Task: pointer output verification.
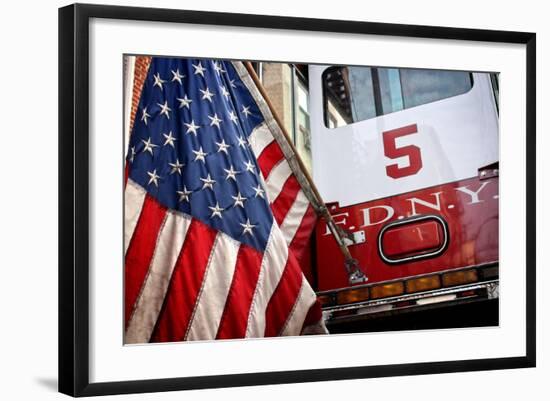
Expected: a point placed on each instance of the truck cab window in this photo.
(353, 94)
(426, 86)
(390, 89)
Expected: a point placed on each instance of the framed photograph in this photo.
(278, 199)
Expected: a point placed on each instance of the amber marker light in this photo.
(423, 284)
(353, 295)
(326, 299)
(459, 277)
(387, 290)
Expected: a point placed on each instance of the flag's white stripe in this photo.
(216, 284)
(260, 138)
(294, 217)
(261, 103)
(134, 196)
(276, 180)
(149, 303)
(280, 137)
(304, 301)
(273, 265)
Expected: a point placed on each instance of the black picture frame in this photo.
(74, 194)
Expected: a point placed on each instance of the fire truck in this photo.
(407, 163)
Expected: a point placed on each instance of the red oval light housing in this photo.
(415, 238)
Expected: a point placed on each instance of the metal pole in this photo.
(355, 274)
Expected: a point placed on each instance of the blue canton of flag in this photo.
(189, 147)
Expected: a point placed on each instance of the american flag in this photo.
(215, 218)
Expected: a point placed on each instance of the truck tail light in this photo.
(353, 295)
(459, 277)
(387, 290)
(326, 299)
(413, 285)
(423, 284)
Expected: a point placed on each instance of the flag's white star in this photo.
(206, 94)
(185, 102)
(231, 173)
(199, 155)
(208, 182)
(148, 146)
(144, 115)
(242, 141)
(132, 154)
(225, 92)
(233, 117)
(176, 167)
(199, 69)
(153, 178)
(184, 195)
(169, 139)
(258, 191)
(239, 200)
(246, 111)
(176, 76)
(222, 146)
(232, 83)
(247, 227)
(219, 69)
(216, 211)
(191, 128)
(249, 166)
(158, 80)
(215, 120)
(164, 109)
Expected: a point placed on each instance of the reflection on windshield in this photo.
(359, 93)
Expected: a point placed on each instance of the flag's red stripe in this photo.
(284, 297)
(141, 250)
(126, 173)
(185, 283)
(237, 306)
(285, 200)
(314, 315)
(270, 157)
(301, 239)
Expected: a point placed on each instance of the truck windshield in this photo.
(355, 94)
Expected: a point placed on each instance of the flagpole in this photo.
(355, 274)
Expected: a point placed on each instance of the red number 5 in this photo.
(393, 152)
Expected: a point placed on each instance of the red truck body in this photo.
(407, 161)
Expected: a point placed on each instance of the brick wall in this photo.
(140, 73)
(276, 80)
